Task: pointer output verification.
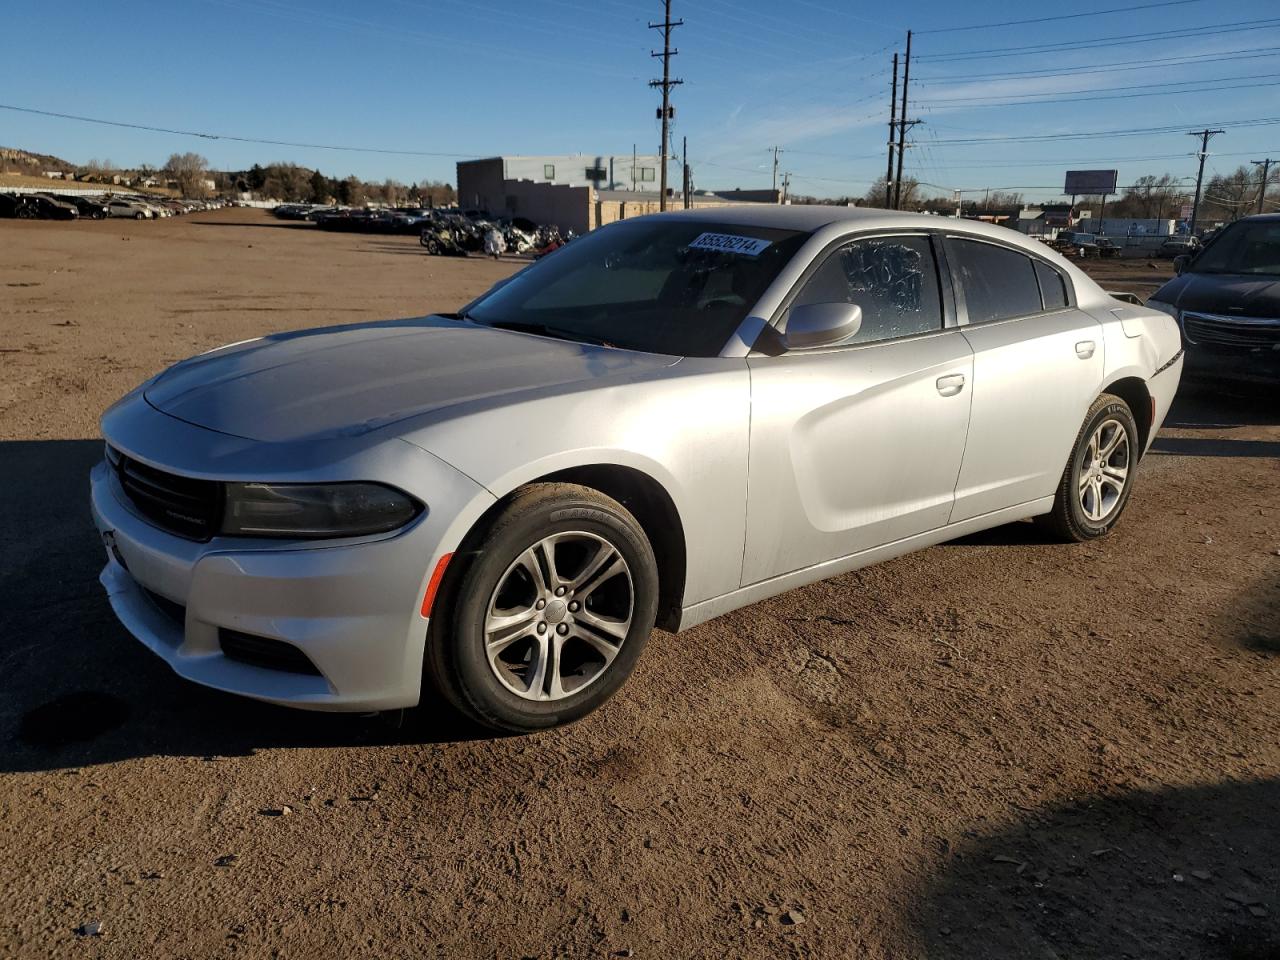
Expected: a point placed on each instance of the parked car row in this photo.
(72, 206)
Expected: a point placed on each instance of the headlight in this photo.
(315, 510)
(1163, 307)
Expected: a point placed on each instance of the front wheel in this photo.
(139, 215)
(548, 615)
(1098, 478)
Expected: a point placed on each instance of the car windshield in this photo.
(661, 285)
(1252, 248)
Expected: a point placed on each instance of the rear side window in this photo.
(1053, 288)
(998, 283)
(893, 279)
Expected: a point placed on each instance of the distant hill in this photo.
(11, 158)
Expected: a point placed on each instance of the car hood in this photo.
(1225, 293)
(349, 380)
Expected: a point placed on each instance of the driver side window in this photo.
(893, 279)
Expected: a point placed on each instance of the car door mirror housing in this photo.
(821, 324)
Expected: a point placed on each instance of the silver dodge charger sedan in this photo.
(667, 419)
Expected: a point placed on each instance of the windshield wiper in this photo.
(543, 330)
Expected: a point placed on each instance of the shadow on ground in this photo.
(1219, 401)
(76, 689)
(281, 225)
(1191, 872)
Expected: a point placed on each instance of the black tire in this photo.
(1069, 520)
(456, 663)
(139, 215)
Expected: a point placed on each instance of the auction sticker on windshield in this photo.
(729, 243)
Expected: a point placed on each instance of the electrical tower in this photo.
(1204, 136)
(903, 125)
(666, 83)
(893, 123)
(1265, 164)
(776, 151)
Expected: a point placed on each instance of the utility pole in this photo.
(1262, 189)
(902, 127)
(666, 83)
(786, 185)
(1204, 136)
(893, 120)
(776, 151)
(684, 162)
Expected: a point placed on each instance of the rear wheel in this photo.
(139, 215)
(548, 616)
(1098, 479)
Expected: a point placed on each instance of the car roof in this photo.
(807, 216)
(815, 217)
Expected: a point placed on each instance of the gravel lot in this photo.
(996, 748)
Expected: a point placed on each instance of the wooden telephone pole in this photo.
(666, 83)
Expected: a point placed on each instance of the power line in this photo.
(1157, 63)
(234, 138)
(1072, 45)
(1133, 132)
(1144, 90)
(1070, 161)
(1061, 16)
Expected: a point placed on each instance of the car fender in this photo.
(689, 434)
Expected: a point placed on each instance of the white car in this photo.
(669, 418)
(116, 207)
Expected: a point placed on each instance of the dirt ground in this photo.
(998, 748)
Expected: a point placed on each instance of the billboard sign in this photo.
(1090, 182)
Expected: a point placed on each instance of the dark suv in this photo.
(1226, 299)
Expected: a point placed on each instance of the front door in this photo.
(860, 444)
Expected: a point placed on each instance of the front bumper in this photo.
(352, 608)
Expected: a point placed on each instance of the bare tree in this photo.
(190, 170)
(1230, 196)
(878, 195)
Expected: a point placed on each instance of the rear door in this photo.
(1038, 365)
(859, 444)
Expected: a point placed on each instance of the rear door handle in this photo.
(951, 384)
(1085, 348)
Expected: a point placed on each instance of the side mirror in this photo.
(821, 324)
(1180, 263)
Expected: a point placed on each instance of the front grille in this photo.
(1216, 330)
(264, 652)
(188, 507)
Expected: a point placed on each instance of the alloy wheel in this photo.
(559, 615)
(1104, 472)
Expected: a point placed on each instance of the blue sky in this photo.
(455, 77)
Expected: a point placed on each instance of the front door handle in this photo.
(1085, 348)
(951, 384)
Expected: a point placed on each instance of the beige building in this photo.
(560, 197)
